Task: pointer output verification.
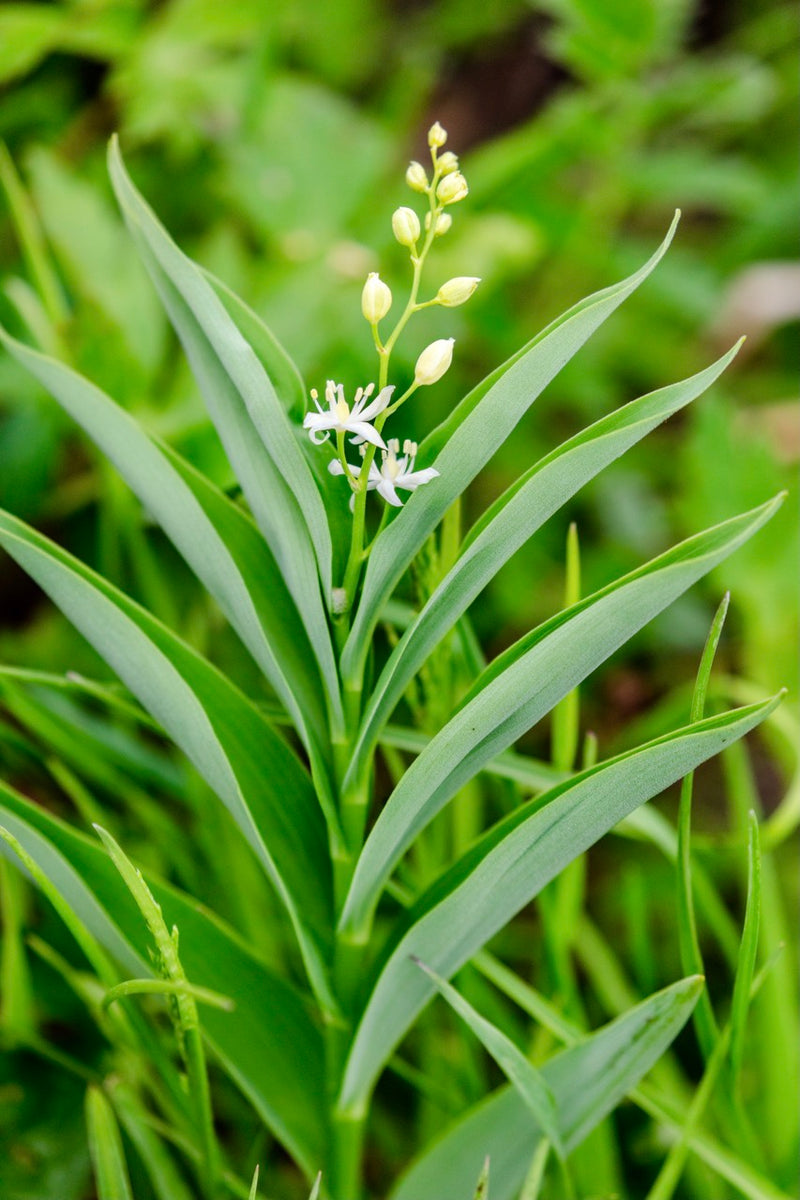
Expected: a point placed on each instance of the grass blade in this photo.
(747, 951)
(270, 1047)
(691, 957)
(105, 1149)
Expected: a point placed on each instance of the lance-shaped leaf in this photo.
(508, 524)
(234, 748)
(527, 1081)
(507, 868)
(216, 537)
(522, 685)
(250, 419)
(587, 1081)
(468, 438)
(269, 1045)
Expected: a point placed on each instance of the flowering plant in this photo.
(383, 903)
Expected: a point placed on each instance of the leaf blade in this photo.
(510, 522)
(242, 402)
(235, 749)
(503, 872)
(501, 1126)
(522, 685)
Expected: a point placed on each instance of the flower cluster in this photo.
(363, 420)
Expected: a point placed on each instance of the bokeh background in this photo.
(272, 139)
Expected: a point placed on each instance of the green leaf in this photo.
(691, 958)
(250, 768)
(587, 1081)
(249, 417)
(105, 1148)
(217, 539)
(510, 521)
(524, 1077)
(508, 867)
(276, 362)
(468, 438)
(269, 1046)
(522, 685)
(748, 950)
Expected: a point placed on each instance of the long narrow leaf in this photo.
(249, 418)
(105, 1148)
(522, 1074)
(513, 519)
(522, 685)
(217, 539)
(468, 438)
(269, 1045)
(236, 750)
(587, 1081)
(508, 867)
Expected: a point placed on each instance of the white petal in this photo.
(416, 478)
(386, 489)
(380, 402)
(335, 467)
(365, 433)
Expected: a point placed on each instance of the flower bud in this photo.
(447, 162)
(452, 188)
(376, 298)
(443, 223)
(434, 361)
(436, 136)
(405, 224)
(416, 177)
(457, 291)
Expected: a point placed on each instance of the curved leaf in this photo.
(217, 539)
(269, 1045)
(522, 685)
(249, 417)
(105, 1149)
(468, 438)
(234, 748)
(587, 1082)
(508, 524)
(508, 867)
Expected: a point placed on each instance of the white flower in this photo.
(393, 472)
(399, 472)
(341, 418)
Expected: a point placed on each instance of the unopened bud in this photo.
(376, 298)
(416, 177)
(447, 162)
(457, 291)
(452, 188)
(434, 361)
(443, 223)
(436, 136)
(405, 224)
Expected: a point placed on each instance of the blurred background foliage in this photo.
(271, 138)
